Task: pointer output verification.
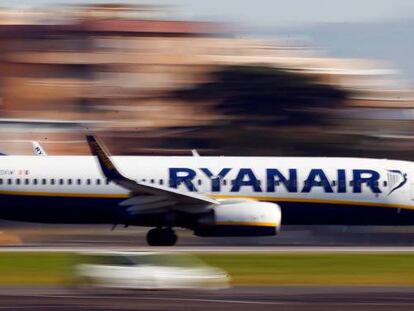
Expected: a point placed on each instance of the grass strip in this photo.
(23, 268)
(316, 269)
(253, 269)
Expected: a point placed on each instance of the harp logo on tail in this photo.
(396, 179)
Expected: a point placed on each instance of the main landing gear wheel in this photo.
(161, 237)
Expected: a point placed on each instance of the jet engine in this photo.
(240, 217)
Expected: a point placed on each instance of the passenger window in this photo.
(69, 181)
(88, 181)
(161, 181)
(79, 182)
(385, 183)
(107, 181)
(35, 181)
(199, 182)
(52, 181)
(9, 181)
(1, 181)
(224, 182)
(333, 183)
(60, 181)
(26, 181)
(43, 181)
(152, 181)
(18, 181)
(98, 181)
(143, 180)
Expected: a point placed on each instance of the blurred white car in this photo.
(147, 270)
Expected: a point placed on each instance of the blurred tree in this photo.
(267, 96)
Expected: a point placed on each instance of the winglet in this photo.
(136, 188)
(107, 167)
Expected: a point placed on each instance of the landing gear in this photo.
(161, 237)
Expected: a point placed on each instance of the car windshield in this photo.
(110, 259)
(165, 260)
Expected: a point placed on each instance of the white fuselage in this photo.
(293, 182)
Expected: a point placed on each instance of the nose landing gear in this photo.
(161, 237)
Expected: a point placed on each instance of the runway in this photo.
(243, 298)
(265, 298)
(292, 298)
(213, 249)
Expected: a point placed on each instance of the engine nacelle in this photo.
(241, 217)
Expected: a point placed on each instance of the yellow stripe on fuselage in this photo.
(320, 201)
(257, 198)
(247, 223)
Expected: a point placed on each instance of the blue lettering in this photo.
(184, 176)
(275, 177)
(371, 180)
(251, 180)
(341, 181)
(311, 181)
(216, 179)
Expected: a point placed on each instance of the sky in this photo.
(270, 12)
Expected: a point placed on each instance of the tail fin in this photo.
(37, 149)
(107, 167)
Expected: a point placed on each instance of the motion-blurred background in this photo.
(317, 78)
(166, 78)
(224, 77)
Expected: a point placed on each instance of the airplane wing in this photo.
(37, 149)
(145, 196)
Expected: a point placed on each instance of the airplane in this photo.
(212, 196)
(38, 149)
